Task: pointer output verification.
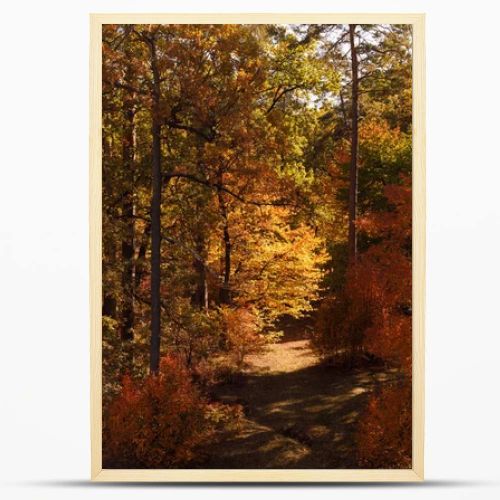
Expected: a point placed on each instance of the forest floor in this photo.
(299, 413)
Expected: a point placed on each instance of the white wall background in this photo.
(44, 365)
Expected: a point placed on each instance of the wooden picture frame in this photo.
(416, 473)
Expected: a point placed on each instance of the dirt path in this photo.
(298, 414)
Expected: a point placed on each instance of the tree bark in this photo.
(353, 168)
(128, 235)
(156, 187)
(109, 302)
(109, 306)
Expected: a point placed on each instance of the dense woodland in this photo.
(254, 177)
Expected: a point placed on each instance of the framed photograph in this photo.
(257, 247)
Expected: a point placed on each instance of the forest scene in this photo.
(257, 246)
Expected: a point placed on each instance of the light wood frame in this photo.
(416, 473)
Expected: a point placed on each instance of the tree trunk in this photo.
(156, 181)
(128, 235)
(109, 302)
(353, 169)
(109, 306)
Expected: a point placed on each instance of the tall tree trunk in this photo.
(128, 235)
(225, 291)
(109, 302)
(154, 362)
(109, 305)
(353, 169)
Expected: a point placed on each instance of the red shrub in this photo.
(156, 423)
(242, 328)
(384, 435)
(373, 311)
(382, 278)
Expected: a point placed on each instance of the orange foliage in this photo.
(340, 325)
(242, 328)
(373, 312)
(384, 432)
(382, 279)
(156, 424)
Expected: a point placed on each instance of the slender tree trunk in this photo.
(128, 235)
(156, 181)
(109, 303)
(353, 169)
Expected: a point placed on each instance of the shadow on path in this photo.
(305, 418)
